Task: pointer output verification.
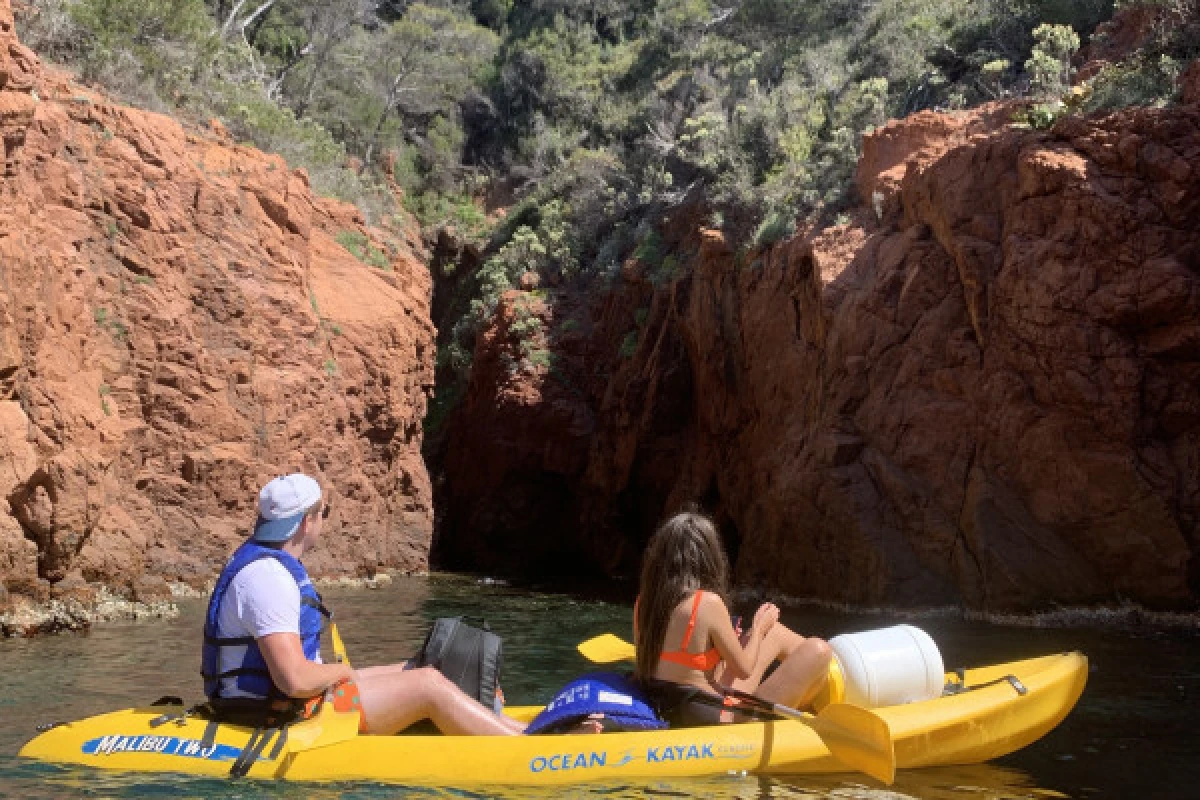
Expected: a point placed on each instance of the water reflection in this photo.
(1131, 736)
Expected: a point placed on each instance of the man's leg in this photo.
(394, 698)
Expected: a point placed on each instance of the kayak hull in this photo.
(967, 728)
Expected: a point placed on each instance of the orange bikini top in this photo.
(704, 662)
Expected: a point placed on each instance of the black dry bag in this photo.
(470, 657)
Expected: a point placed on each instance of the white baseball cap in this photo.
(282, 504)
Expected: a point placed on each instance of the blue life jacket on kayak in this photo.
(251, 674)
(614, 696)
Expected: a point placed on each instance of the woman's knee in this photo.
(821, 651)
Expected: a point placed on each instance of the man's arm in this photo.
(292, 673)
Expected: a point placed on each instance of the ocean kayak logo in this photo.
(159, 745)
(561, 762)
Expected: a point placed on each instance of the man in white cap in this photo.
(262, 636)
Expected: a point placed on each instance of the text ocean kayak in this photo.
(964, 728)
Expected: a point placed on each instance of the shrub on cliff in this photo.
(129, 42)
(1149, 76)
(1049, 65)
(170, 56)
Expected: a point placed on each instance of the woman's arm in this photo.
(739, 659)
(292, 673)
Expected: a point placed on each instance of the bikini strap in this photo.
(687, 636)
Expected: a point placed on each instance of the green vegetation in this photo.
(1049, 69)
(105, 391)
(434, 209)
(757, 107)
(774, 227)
(359, 246)
(592, 122)
(111, 324)
(541, 358)
(1149, 76)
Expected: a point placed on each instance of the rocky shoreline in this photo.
(28, 617)
(24, 616)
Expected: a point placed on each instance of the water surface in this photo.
(1133, 735)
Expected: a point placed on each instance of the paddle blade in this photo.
(858, 738)
(607, 648)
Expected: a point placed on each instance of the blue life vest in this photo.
(251, 675)
(615, 696)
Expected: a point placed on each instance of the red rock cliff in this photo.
(177, 325)
(989, 397)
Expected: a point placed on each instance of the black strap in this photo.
(257, 743)
(210, 734)
(250, 753)
(229, 641)
(280, 741)
(179, 717)
(305, 600)
(257, 712)
(231, 673)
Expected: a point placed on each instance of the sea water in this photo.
(1134, 734)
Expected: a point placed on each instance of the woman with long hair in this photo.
(685, 636)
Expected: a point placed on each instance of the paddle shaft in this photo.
(758, 702)
(339, 647)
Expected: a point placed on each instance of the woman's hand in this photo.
(765, 618)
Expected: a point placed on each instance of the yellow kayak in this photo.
(989, 719)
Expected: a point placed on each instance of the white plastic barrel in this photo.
(888, 666)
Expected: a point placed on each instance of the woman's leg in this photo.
(801, 673)
(394, 698)
(778, 643)
(800, 676)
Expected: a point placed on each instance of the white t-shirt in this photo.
(262, 599)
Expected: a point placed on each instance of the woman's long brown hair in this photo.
(685, 554)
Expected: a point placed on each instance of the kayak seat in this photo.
(684, 706)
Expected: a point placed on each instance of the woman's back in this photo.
(688, 653)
